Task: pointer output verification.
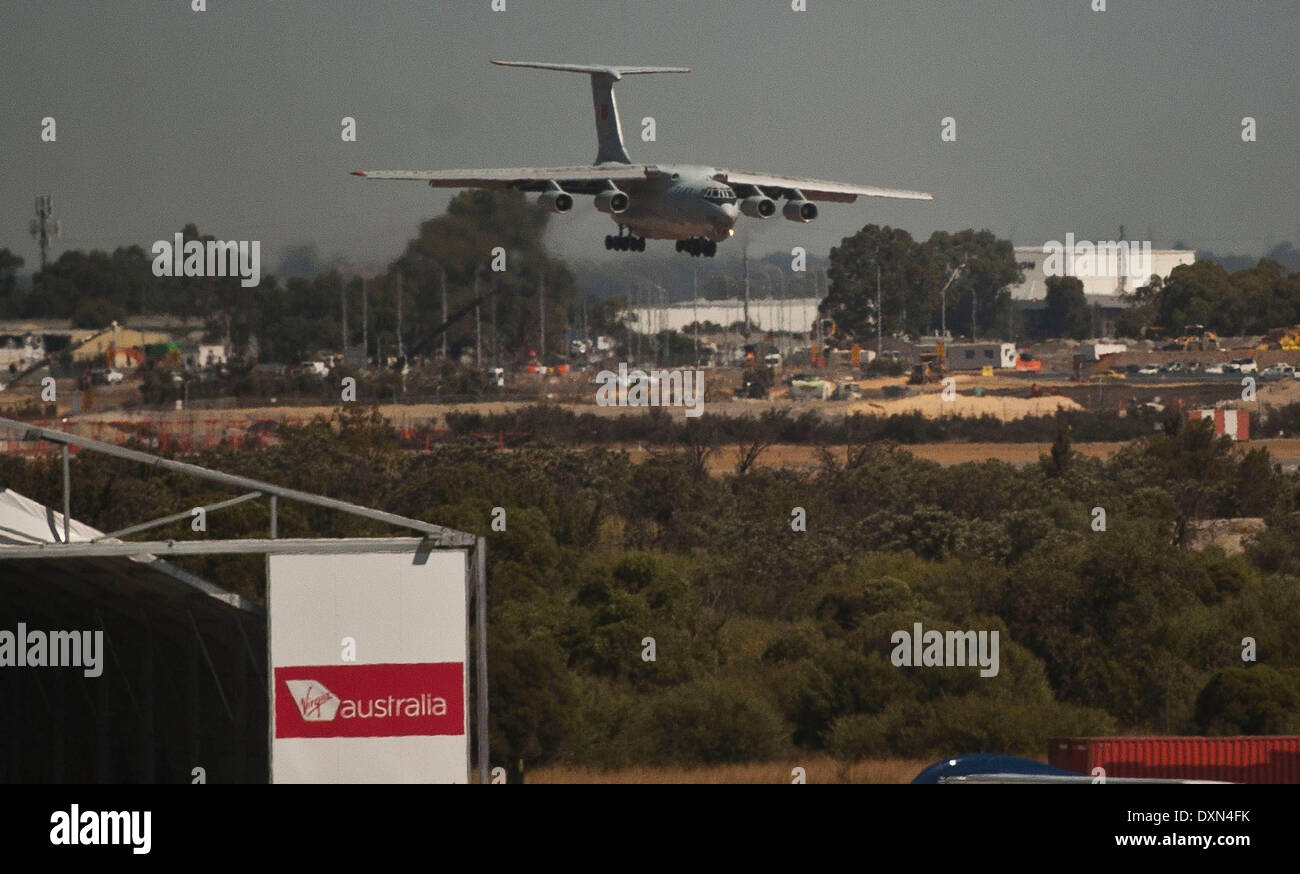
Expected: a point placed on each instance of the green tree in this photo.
(9, 264)
(980, 291)
(1067, 309)
(459, 245)
(906, 272)
(1254, 700)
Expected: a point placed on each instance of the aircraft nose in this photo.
(724, 215)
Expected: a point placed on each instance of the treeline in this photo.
(966, 276)
(771, 641)
(548, 425)
(1231, 303)
(287, 321)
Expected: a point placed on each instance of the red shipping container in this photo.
(1244, 759)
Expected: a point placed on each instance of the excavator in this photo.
(1195, 339)
(933, 366)
(1287, 339)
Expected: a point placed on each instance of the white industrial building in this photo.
(1105, 269)
(794, 315)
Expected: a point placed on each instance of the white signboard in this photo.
(368, 654)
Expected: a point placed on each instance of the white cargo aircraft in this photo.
(696, 206)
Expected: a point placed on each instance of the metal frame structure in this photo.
(431, 537)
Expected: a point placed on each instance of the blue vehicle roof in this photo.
(986, 763)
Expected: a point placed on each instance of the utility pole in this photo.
(746, 258)
(365, 323)
(442, 284)
(400, 349)
(880, 317)
(541, 313)
(943, 311)
(726, 328)
(668, 331)
(44, 229)
(478, 329)
(1124, 265)
(695, 307)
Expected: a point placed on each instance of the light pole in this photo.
(442, 285)
(478, 328)
(401, 354)
(695, 309)
(880, 315)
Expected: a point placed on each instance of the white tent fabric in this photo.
(26, 522)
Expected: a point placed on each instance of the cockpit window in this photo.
(720, 195)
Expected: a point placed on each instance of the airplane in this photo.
(695, 205)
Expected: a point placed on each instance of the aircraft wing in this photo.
(813, 189)
(576, 180)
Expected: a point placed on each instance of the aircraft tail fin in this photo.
(609, 132)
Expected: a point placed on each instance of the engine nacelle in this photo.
(799, 210)
(758, 207)
(556, 201)
(612, 202)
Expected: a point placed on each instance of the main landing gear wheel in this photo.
(625, 243)
(697, 246)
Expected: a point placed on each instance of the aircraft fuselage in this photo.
(681, 202)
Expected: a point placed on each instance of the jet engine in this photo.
(555, 201)
(758, 207)
(799, 210)
(612, 202)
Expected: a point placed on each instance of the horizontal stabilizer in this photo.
(615, 72)
(609, 132)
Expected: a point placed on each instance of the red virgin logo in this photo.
(370, 700)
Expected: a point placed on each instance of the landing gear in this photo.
(697, 246)
(625, 242)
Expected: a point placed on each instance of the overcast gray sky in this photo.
(1068, 120)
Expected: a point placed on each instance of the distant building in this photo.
(1109, 271)
(975, 356)
(794, 315)
(21, 349)
(124, 359)
(1103, 275)
(212, 354)
(95, 348)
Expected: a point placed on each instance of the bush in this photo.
(707, 721)
(1255, 700)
